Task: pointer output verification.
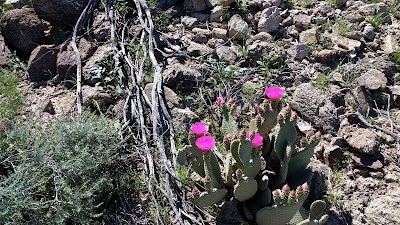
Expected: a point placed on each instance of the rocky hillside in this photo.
(338, 61)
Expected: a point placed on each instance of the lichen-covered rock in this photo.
(315, 107)
(22, 29)
(238, 28)
(361, 140)
(270, 19)
(373, 79)
(384, 209)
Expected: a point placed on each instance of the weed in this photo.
(377, 20)
(6, 7)
(343, 26)
(394, 9)
(224, 70)
(395, 57)
(152, 3)
(326, 26)
(323, 82)
(335, 198)
(243, 5)
(183, 173)
(250, 89)
(304, 3)
(10, 97)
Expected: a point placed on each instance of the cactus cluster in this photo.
(261, 165)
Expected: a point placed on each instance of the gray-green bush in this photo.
(60, 174)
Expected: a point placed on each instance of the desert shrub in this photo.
(10, 98)
(62, 173)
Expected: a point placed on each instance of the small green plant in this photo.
(395, 57)
(336, 199)
(323, 82)
(243, 6)
(10, 97)
(304, 3)
(6, 7)
(326, 26)
(377, 20)
(343, 26)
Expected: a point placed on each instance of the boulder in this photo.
(300, 51)
(92, 65)
(181, 77)
(199, 5)
(373, 79)
(22, 29)
(384, 209)
(196, 49)
(97, 96)
(315, 107)
(171, 97)
(66, 58)
(270, 20)
(42, 63)
(238, 28)
(59, 12)
(362, 140)
(310, 36)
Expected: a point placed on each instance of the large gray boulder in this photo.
(22, 29)
(59, 12)
(270, 20)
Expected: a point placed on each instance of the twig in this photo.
(85, 13)
(364, 121)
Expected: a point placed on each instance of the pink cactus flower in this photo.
(274, 93)
(199, 128)
(205, 143)
(257, 140)
(220, 100)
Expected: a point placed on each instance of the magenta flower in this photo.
(220, 101)
(199, 128)
(274, 93)
(205, 143)
(257, 140)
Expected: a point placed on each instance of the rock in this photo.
(315, 107)
(217, 14)
(181, 77)
(373, 79)
(199, 5)
(309, 36)
(93, 96)
(226, 53)
(269, 20)
(219, 33)
(196, 49)
(341, 3)
(5, 52)
(238, 28)
(66, 58)
(302, 21)
(49, 108)
(369, 32)
(59, 12)
(17, 4)
(321, 175)
(364, 98)
(171, 97)
(361, 140)
(182, 118)
(390, 44)
(326, 55)
(226, 3)
(93, 66)
(262, 36)
(42, 63)
(189, 22)
(333, 155)
(347, 43)
(200, 35)
(384, 209)
(201, 17)
(22, 29)
(101, 28)
(300, 51)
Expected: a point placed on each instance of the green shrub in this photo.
(64, 173)
(10, 98)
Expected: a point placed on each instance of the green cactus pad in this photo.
(299, 162)
(245, 149)
(209, 198)
(252, 169)
(193, 156)
(316, 215)
(216, 170)
(229, 125)
(245, 189)
(277, 215)
(235, 152)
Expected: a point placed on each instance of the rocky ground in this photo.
(338, 60)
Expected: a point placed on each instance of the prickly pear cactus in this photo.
(258, 159)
